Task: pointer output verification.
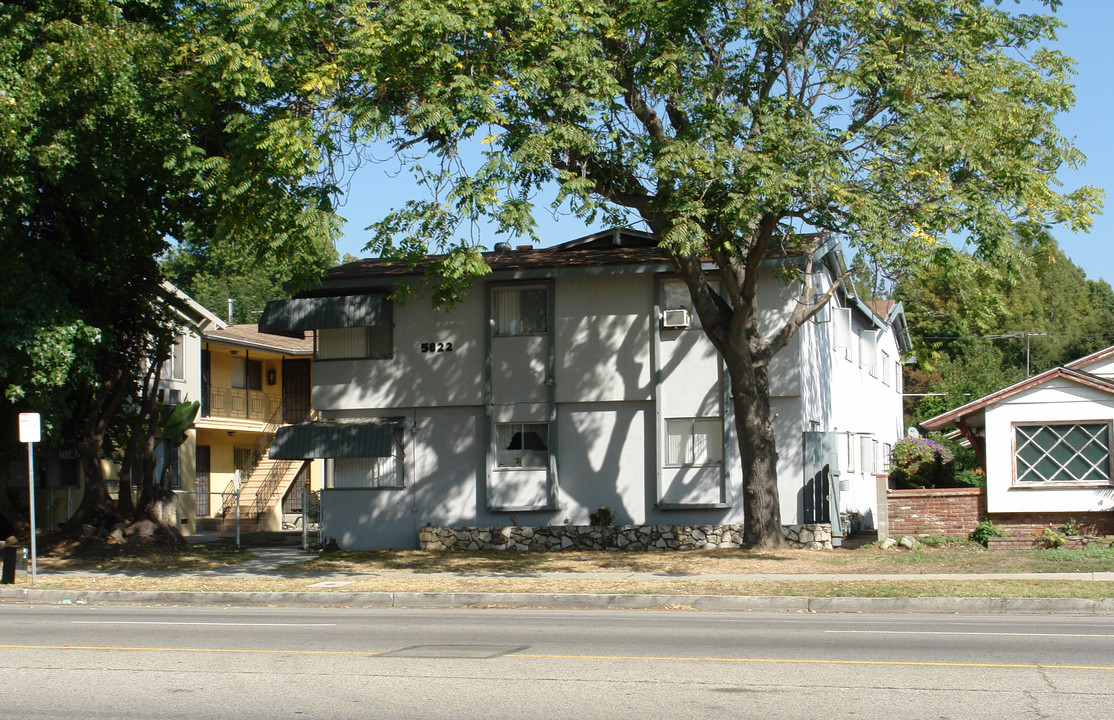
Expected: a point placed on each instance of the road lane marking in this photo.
(625, 658)
(956, 632)
(222, 624)
(191, 650)
(793, 661)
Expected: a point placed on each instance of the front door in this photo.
(295, 390)
(201, 487)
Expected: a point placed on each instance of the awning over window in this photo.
(335, 439)
(285, 317)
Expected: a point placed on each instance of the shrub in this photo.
(1051, 538)
(973, 478)
(984, 530)
(921, 462)
(601, 517)
(1070, 528)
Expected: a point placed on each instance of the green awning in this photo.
(284, 317)
(335, 439)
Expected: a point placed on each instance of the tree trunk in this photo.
(95, 504)
(147, 480)
(750, 395)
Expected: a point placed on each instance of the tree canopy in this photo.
(979, 327)
(727, 128)
(126, 123)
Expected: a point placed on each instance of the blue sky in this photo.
(377, 188)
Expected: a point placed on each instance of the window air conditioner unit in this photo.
(678, 318)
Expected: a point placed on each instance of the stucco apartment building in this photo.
(574, 377)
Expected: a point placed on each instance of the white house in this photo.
(570, 378)
(1045, 445)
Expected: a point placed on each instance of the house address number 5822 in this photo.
(429, 347)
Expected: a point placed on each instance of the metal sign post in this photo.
(30, 432)
(236, 485)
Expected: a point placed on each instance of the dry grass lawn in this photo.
(954, 558)
(416, 571)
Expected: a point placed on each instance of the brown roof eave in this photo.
(975, 406)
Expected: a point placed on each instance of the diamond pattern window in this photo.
(1067, 452)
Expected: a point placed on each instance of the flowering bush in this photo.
(911, 452)
(921, 462)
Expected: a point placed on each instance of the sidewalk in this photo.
(269, 560)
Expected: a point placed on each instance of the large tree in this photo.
(727, 128)
(125, 123)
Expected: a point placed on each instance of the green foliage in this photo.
(1070, 528)
(127, 123)
(212, 272)
(985, 529)
(936, 541)
(978, 325)
(921, 462)
(971, 478)
(180, 419)
(1051, 539)
(601, 517)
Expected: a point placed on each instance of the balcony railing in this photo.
(241, 404)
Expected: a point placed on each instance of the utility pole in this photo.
(1018, 335)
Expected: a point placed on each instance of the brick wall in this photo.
(1090, 523)
(935, 511)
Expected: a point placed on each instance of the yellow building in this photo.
(251, 383)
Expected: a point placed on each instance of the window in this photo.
(866, 454)
(166, 466)
(850, 446)
(841, 331)
(887, 450)
(522, 445)
(247, 374)
(693, 441)
(352, 343)
(174, 367)
(887, 369)
(1067, 452)
(350, 473)
(868, 351)
(370, 472)
(520, 311)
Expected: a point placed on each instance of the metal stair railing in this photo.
(279, 470)
(231, 496)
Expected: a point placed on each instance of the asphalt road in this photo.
(93, 662)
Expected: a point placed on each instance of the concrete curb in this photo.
(735, 603)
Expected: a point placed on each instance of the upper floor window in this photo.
(352, 343)
(520, 311)
(247, 374)
(693, 441)
(1062, 452)
(174, 368)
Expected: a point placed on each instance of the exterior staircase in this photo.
(263, 490)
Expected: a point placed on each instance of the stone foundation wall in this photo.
(953, 512)
(622, 537)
